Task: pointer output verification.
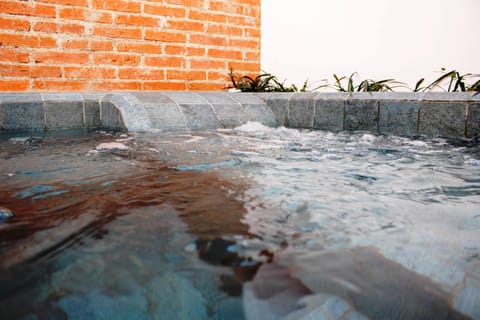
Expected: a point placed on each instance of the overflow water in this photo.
(254, 222)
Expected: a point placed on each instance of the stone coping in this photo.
(406, 114)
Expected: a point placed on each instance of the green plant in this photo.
(368, 85)
(266, 82)
(260, 83)
(456, 82)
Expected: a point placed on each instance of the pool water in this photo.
(249, 223)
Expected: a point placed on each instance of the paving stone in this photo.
(442, 118)
(361, 115)
(398, 117)
(329, 114)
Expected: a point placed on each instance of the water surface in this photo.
(251, 223)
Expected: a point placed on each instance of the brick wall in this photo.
(102, 45)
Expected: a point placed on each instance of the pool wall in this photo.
(405, 114)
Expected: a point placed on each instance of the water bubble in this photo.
(5, 214)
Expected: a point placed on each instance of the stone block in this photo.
(301, 110)
(329, 114)
(446, 96)
(442, 118)
(200, 116)
(152, 97)
(63, 110)
(247, 98)
(166, 116)
(473, 120)
(261, 113)
(92, 114)
(217, 97)
(111, 118)
(185, 97)
(398, 117)
(231, 115)
(278, 103)
(361, 115)
(22, 111)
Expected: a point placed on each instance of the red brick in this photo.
(12, 55)
(207, 40)
(246, 67)
(140, 47)
(118, 5)
(206, 86)
(79, 3)
(60, 57)
(45, 72)
(75, 44)
(117, 32)
(116, 85)
(101, 45)
(72, 28)
(89, 72)
(164, 85)
(207, 64)
(60, 85)
(44, 10)
(99, 17)
(223, 6)
(196, 52)
(164, 11)
(44, 26)
(206, 16)
(14, 71)
(225, 30)
(175, 50)
(15, 7)
(72, 13)
(116, 59)
(252, 33)
(165, 36)
(165, 62)
(217, 76)
(14, 85)
(30, 41)
(186, 25)
(137, 20)
(14, 24)
(225, 54)
(141, 73)
(246, 44)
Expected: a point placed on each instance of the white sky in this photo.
(404, 39)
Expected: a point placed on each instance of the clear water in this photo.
(254, 223)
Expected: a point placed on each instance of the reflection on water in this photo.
(253, 223)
